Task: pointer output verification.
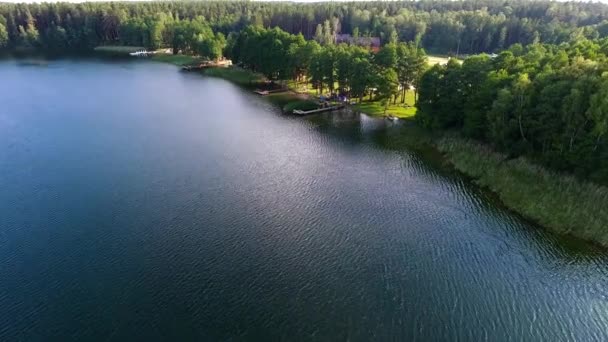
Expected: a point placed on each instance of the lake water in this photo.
(141, 203)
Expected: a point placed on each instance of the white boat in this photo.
(140, 53)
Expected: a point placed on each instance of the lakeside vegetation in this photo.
(551, 199)
(178, 60)
(541, 100)
(118, 49)
(236, 75)
(545, 102)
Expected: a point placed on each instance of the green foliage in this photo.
(388, 86)
(196, 36)
(325, 33)
(28, 35)
(411, 64)
(598, 113)
(441, 27)
(268, 51)
(387, 56)
(442, 90)
(3, 36)
(362, 77)
(210, 46)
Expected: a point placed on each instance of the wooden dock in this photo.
(266, 92)
(319, 110)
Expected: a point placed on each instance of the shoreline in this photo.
(556, 202)
(293, 98)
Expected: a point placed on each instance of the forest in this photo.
(447, 27)
(546, 102)
(544, 95)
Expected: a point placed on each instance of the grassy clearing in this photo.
(400, 110)
(178, 60)
(553, 200)
(441, 60)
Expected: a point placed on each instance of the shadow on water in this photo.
(350, 128)
(27, 58)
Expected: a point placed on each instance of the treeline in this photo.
(344, 69)
(546, 102)
(438, 26)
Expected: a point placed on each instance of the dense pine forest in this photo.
(458, 27)
(543, 96)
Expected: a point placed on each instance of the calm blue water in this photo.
(141, 203)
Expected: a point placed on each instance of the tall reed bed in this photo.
(553, 200)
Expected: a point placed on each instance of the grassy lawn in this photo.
(304, 88)
(376, 108)
(400, 110)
